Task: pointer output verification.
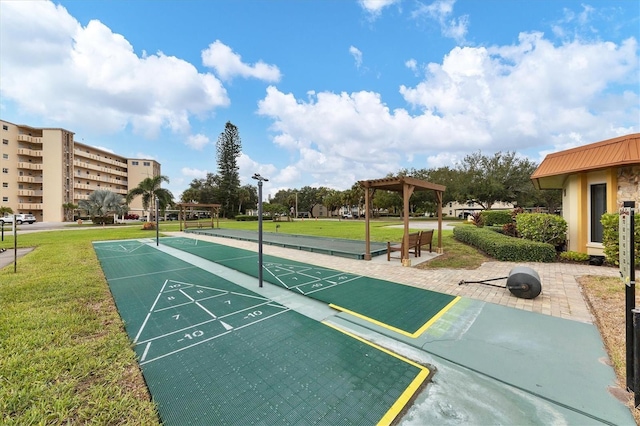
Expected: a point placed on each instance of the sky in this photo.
(323, 92)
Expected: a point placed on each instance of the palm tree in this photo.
(102, 202)
(68, 210)
(149, 188)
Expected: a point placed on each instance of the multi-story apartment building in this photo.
(44, 169)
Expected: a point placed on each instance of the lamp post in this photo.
(260, 179)
(157, 221)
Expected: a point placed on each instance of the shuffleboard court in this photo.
(404, 309)
(213, 352)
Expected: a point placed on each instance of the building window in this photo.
(5, 127)
(5, 170)
(146, 164)
(5, 184)
(597, 209)
(134, 163)
(5, 156)
(5, 199)
(5, 141)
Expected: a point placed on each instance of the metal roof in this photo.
(554, 169)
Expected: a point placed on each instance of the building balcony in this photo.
(30, 179)
(80, 153)
(30, 139)
(30, 166)
(30, 192)
(29, 206)
(79, 163)
(30, 152)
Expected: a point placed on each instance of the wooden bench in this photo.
(426, 237)
(413, 246)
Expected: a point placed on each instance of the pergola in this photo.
(406, 186)
(182, 216)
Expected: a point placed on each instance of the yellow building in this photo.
(595, 179)
(44, 168)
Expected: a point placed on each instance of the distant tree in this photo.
(247, 196)
(332, 200)
(149, 188)
(5, 209)
(229, 148)
(102, 203)
(309, 197)
(486, 180)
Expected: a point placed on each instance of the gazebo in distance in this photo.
(187, 208)
(406, 186)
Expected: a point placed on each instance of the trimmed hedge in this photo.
(611, 238)
(246, 218)
(502, 247)
(496, 217)
(102, 220)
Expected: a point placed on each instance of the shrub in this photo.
(611, 238)
(542, 227)
(246, 218)
(102, 220)
(574, 256)
(147, 226)
(496, 217)
(502, 247)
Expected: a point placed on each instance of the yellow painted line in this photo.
(395, 329)
(408, 393)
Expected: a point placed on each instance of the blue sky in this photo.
(324, 92)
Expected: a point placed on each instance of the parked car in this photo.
(172, 216)
(20, 218)
(347, 216)
(132, 216)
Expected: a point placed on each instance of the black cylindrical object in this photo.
(524, 282)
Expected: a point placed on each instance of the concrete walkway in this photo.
(561, 295)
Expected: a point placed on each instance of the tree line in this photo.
(478, 178)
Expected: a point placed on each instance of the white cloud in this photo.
(501, 98)
(197, 142)
(374, 7)
(69, 74)
(357, 55)
(412, 64)
(228, 64)
(193, 173)
(441, 11)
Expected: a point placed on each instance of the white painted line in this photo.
(206, 310)
(149, 313)
(146, 349)
(152, 273)
(226, 326)
(210, 338)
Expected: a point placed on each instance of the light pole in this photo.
(157, 221)
(260, 179)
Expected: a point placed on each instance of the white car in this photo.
(20, 218)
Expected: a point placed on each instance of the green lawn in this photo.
(64, 354)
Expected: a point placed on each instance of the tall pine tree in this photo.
(228, 149)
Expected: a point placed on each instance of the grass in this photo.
(65, 356)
